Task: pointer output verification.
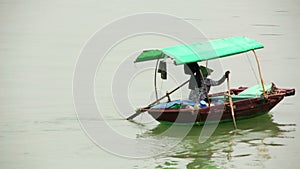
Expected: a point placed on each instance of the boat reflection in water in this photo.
(248, 146)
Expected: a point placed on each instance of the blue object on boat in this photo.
(172, 103)
(203, 104)
(218, 101)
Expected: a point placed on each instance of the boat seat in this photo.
(250, 92)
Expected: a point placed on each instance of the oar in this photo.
(144, 109)
(231, 104)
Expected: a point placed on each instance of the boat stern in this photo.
(285, 91)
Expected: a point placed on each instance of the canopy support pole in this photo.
(155, 83)
(260, 75)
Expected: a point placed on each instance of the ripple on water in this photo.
(250, 143)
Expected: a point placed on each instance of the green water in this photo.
(39, 45)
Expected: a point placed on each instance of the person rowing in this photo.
(199, 83)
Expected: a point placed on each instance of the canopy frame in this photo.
(170, 52)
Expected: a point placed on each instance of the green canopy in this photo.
(197, 52)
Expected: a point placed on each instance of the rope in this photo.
(257, 81)
(205, 85)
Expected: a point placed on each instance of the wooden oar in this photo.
(231, 104)
(144, 109)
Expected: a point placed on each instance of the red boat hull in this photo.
(242, 109)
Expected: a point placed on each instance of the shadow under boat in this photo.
(257, 124)
(252, 133)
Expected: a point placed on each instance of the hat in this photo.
(206, 70)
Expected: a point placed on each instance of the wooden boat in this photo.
(240, 103)
(243, 108)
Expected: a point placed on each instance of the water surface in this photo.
(41, 40)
